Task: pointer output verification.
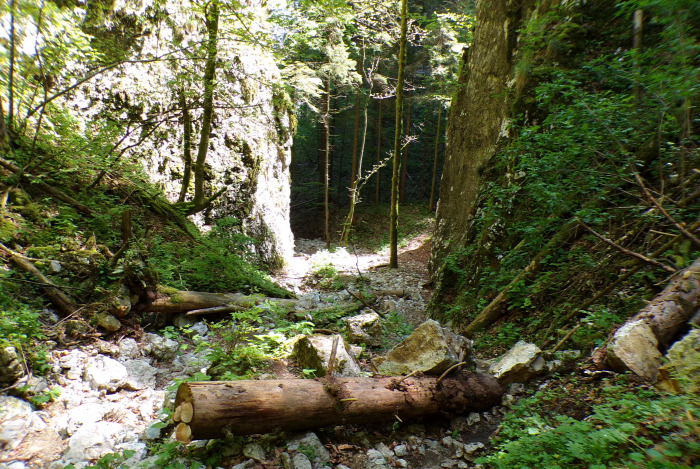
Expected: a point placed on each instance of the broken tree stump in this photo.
(213, 409)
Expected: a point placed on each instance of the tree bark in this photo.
(251, 407)
(327, 160)
(379, 150)
(394, 218)
(433, 202)
(212, 20)
(404, 166)
(197, 303)
(63, 303)
(187, 147)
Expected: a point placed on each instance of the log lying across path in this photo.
(206, 410)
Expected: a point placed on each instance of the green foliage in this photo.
(579, 137)
(221, 263)
(630, 428)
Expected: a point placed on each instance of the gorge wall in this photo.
(478, 119)
(164, 47)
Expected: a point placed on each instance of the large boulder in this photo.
(314, 352)
(365, 329)
(431, 349)
(519, 364)
(634, 347)
(684, 361)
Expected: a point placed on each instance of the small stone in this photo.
(384, 449)
(473, 447)
(183, 321)
(105, 373)
(473, 418)
(310, 441)
(365, 328)
(108, 322)
(401, 450)
(55, 266)
(300, 461)
(141, 375)
(11, 369)
(129, 348)
(373, 455)
(401, 462)
(199, 329)
(450, 463)
(254, 451)
(92, 441)
(162, 348)
(153, 431)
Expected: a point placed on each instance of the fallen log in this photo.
(195, 303)
(637, 345)
(214, 409)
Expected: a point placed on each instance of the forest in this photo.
(349, 234)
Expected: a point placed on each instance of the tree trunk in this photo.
(355, 139)
(379, 150)
(394, 218)
(404, 166)
(187, 144)
(326, 160)
(637, 345)
(424, 139)
(212, 20)
(196, 303)
(63, 303)
(214, 409)
(11, 71)
(433, 202)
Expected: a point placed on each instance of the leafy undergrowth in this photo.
(599, 424)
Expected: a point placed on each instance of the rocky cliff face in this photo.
(478, 118)
(249, 149)
(478, 121)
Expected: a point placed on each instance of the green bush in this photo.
(630, 428)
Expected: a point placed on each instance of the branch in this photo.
(59, 299)
(656, 203)
(612, 243)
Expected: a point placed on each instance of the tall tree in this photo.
(212, 21)
(394, 218)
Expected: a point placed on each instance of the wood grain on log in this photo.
(251, 407)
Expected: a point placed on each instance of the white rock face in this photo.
(105, 373)
(250, 142)
(634, 347)
(520, 363)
